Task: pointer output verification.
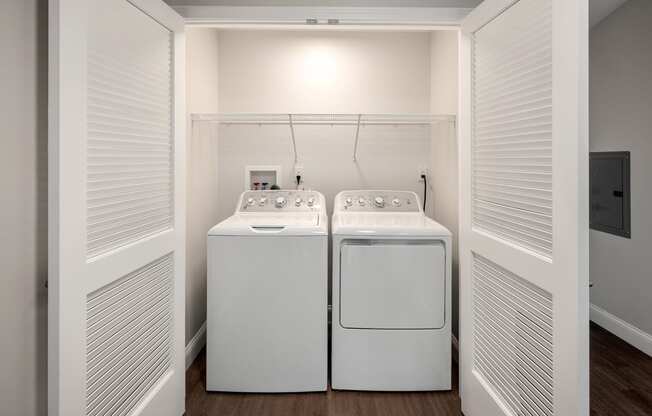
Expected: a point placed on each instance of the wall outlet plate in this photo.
(298, 170)
(423, 171)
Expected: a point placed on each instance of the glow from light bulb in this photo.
(319, 66)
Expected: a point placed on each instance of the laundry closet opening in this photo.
(342, 109)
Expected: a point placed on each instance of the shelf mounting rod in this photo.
(357, 135)
(294, 142)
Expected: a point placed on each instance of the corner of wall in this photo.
(202, 54)
(195, 345)
(443, 154)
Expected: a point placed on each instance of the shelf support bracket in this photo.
(294, 142)
(357, 135)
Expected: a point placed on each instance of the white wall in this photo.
(310, 72)
(202, 162)
(443, 72)
(621, 119)
(444, 175)
(388, 158)
(23, 219)
(329, 72)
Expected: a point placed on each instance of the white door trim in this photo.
(366, 17)
(485, 12)
(162, 13)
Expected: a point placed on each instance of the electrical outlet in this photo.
(423, 171)
(298, 176)
(298, 170)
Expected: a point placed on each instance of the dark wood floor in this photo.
(621, 377)
(621, 385)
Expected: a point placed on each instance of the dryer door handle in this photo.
(269, 229)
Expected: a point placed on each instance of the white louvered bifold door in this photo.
(524, 209)
(116, 174)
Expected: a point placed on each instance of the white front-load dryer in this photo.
(391, 322)
(267, 295)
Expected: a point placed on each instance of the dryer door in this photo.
(392, 284)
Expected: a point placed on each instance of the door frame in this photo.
(423, 20)
(288, 17)
(205, 20)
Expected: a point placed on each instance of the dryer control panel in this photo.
(280, 201)
(377, 201)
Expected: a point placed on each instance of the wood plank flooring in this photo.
(621, 385)
(621, 377)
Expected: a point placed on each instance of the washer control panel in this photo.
(378, 201)
(279, 200)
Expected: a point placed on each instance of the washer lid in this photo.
(272, 224)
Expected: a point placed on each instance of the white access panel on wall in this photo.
(260, 178)
(524, 209)
(116, 211)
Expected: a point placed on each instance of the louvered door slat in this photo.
(129, 131)
(128, 337)
(505, 316)
(513, 132)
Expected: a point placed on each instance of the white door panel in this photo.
(393, 285)
(116, 295)
(523, 208)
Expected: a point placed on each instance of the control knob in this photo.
(379, 201)
(396, 202)
(280, 202)
(348, 202)
(251, 201)
(298, 201)
(311, 201)
(262, 201)
(361, 202)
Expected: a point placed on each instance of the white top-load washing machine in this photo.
(267, 295)
(391, 323)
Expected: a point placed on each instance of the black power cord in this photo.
(425, 191)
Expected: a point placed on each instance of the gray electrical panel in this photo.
(609, 198)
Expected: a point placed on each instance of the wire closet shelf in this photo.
(294, 119)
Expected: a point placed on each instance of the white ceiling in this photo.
(329, 3)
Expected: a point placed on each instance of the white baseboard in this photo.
(195, 345)
(456, 349)
(623, 330)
